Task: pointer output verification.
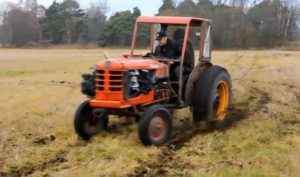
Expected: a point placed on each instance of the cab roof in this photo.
(171, 20)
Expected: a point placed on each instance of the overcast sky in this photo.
(147, 7)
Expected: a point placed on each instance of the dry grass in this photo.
(39, 92)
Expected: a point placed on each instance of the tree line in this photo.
(244, 23)
(236, 23)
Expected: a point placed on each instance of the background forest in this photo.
(236, 23)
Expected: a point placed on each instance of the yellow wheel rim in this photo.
(223, 93)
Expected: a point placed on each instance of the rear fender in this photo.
(198, 69)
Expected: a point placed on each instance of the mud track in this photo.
(164, 163)
(59, 158)
(168, 159)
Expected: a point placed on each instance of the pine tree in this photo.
(167, 5)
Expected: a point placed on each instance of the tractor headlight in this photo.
(138, 82)
(134, 84)
(131, 83)
(87, 85)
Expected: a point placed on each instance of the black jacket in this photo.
(170, 50)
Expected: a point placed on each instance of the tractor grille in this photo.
(108, 80)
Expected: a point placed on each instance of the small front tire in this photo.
(85, 124)
(155, 126)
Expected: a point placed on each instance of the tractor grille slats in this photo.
(108, 80)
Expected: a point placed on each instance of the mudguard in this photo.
(198, 69)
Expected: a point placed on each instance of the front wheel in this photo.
(85, 124)
(155, 126)
(212, 95)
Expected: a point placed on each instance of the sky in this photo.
(147, 7)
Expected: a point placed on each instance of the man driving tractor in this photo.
(150, 87)
(167, 48)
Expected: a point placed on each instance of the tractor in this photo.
(137, 85)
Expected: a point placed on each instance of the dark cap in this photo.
(161, 34)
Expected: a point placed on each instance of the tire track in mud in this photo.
(235, 114)
(59, 158)
(290, 86)
(168, 159)
(262, 97)
(161, 166)
(256, 102)
(248, 71)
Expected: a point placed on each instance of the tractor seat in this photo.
(189, 58)
(189, 53)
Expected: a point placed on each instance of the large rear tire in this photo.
(212, 96)
(85, 124)
(155, 126)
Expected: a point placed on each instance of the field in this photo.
(39, 93)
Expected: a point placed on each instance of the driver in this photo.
(167, 48)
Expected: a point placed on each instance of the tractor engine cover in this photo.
(135, 64)
(140, 75)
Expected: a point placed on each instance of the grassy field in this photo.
(39, 93)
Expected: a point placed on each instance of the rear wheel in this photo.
(85, 124)
(155, 126)
(212, 96)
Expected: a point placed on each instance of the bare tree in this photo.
(19, 27)
(95, 20)
(31, 5)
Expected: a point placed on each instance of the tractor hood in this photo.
(130, 64)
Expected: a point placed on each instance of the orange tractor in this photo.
(140, 86)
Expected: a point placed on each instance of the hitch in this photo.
(98, 113)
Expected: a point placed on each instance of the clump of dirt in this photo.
(298, 97)
(162, 165)
(44, 140)
(260, 98)
(289, 126)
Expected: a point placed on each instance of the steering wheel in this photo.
(160, 59)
